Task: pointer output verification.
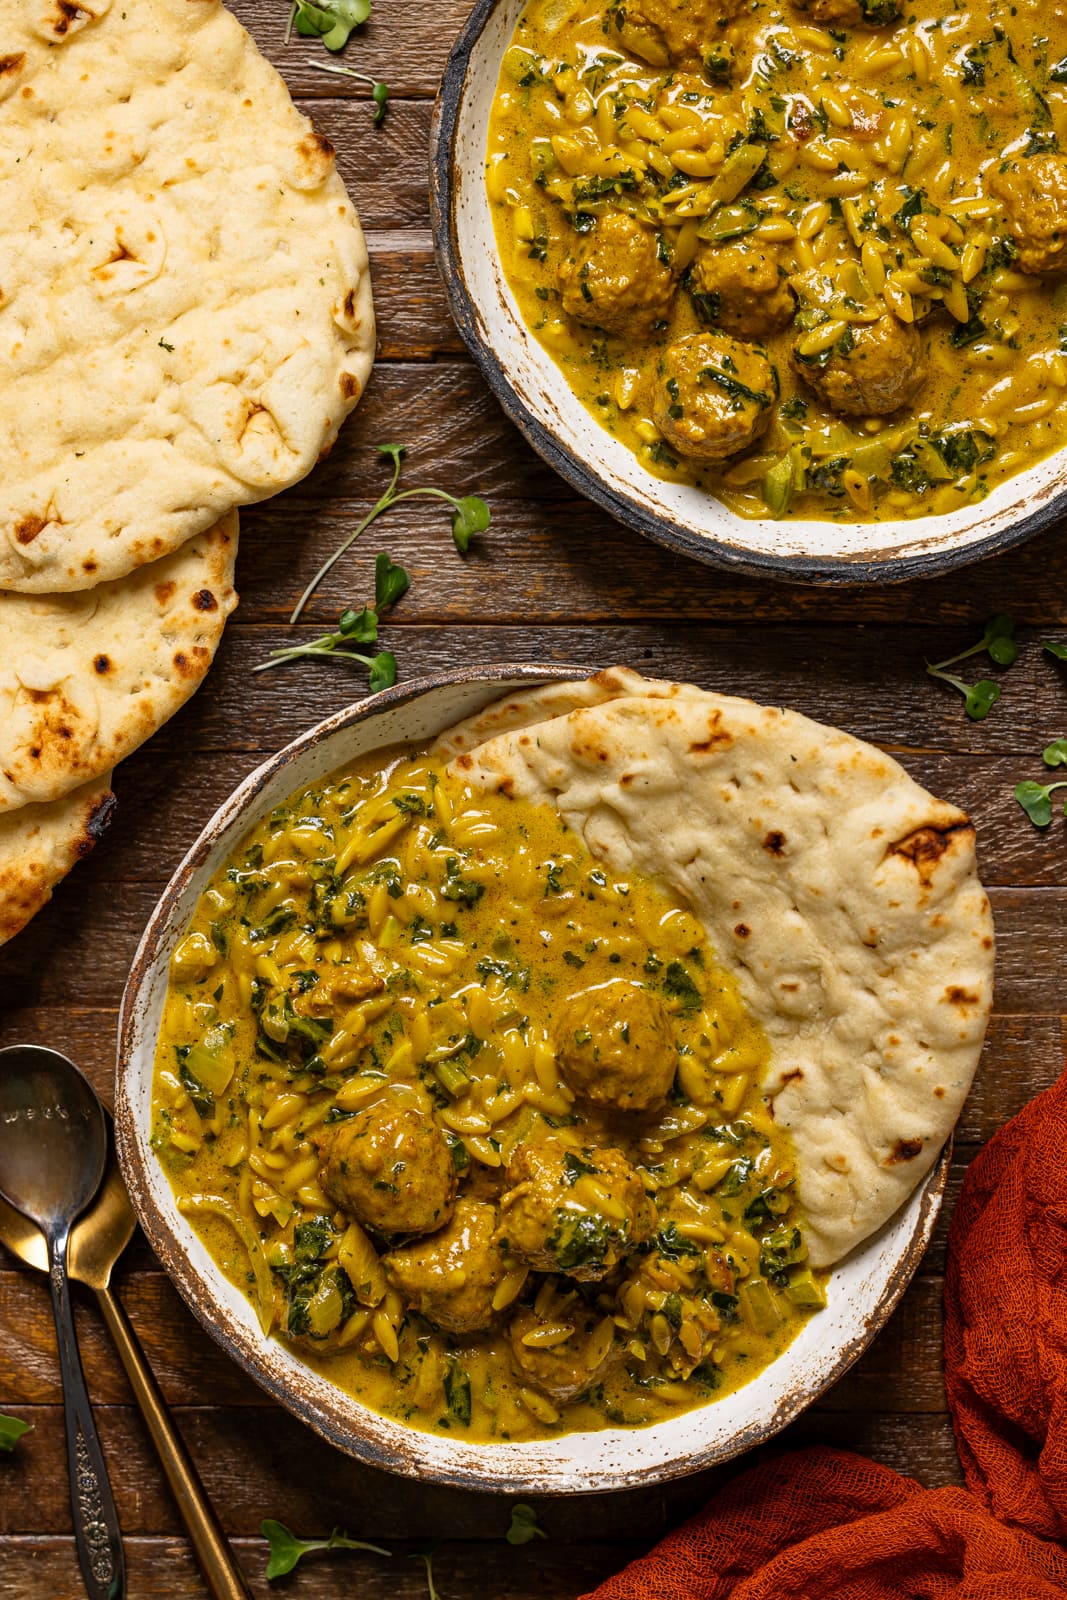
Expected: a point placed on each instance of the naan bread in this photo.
(185, 305)
(40, 844)
(843, 896)
(87, 677)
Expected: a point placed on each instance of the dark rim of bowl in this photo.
(839, 571)
(334, 1422)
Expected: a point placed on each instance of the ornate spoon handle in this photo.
(96, 1523)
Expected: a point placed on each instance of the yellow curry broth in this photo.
(899, 176)
(388, 945)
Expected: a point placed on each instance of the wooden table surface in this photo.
(555, 580)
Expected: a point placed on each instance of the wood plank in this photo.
(164, 1569)
(259, 1462)
(412, 314)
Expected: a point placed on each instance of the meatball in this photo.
(563, 1370)
(616, 1048)
(852, 13)
(740, 287)
(390, 1167)
(616, 280)
(882, 369)
(714, 396)
(451, 1278)
(1034, 196)
(676, 33)
(569, 1211)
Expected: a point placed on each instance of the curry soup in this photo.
(475, 1125)
(808, 261)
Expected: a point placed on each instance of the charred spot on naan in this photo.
(925, 847)
(904, 1150)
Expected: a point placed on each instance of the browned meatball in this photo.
(713, 396)
(1033, 193)
(390, 1167)
(616, 1048)
(451, 1278)
(570, 1211)
(881, 369)
(616, 279)
(675, 33)
(740, 287)
(563, 1370)
(852, 13)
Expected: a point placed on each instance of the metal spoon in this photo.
(96, 1243)
(53, 1146)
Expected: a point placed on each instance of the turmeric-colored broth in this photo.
(868, 198)
(474, 1124)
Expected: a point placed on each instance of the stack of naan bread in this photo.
(185, 322)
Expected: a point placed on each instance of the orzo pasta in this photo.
(807, 259)
(474, 1124)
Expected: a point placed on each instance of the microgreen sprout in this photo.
(1058, 651)
(998, 642)
(379, 91)
(331, 22)
(391, 583)
(426, 1557)
(1036, 800)
(1055, 754)
(470, 515)
(11, 1431)
(524, 1526)
(286, 1549)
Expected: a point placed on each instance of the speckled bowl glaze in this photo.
(536, 396)
(863, 1290)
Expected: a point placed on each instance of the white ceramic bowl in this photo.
(536, 396)
(862, 1292)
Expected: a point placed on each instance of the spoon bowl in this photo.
(53, 1138)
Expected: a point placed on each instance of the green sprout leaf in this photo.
(981, 698)
(1036, 800)
(332, 23)
(1055, 754)
(1059, 651)
(471, 516)
(391, 582)
(524, 1526)
(11, 1431)
(353, 627)
(359, 627)
(998, 640)
(286, 1549)
(382, 671)
(379, 91)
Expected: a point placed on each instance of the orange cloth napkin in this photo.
(823, 1523)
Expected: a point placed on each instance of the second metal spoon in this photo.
(53, 1146)
(96, 1243)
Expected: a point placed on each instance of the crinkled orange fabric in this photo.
(823, 1523)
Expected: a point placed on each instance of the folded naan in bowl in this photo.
(842, 895)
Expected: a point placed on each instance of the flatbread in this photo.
(40, 844)
(842, 895)
(185, 304)
(86, 677)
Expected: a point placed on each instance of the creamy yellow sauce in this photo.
(388, 945)
(909, 171)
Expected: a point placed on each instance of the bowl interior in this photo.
(537, 397)
(862, 1291)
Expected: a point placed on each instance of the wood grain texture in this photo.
(555, 580)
